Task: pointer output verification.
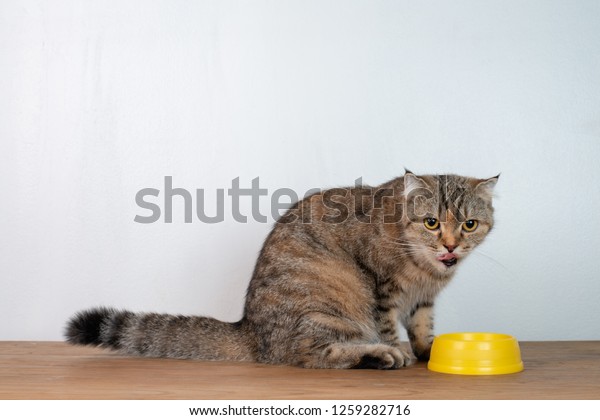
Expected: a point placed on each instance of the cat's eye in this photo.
(431, 223)
(470, 225)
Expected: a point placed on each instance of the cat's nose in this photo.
(450, 248)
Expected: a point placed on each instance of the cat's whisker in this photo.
(408, 244)
(497, 263)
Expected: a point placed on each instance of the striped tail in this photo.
(161, 335)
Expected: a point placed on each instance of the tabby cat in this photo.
(335, 276)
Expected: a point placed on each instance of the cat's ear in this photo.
(412, 182)
(485, 187)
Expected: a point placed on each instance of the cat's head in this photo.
(447, 217)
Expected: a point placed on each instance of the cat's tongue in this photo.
(447, 256)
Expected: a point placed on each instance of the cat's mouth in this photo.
(450, 262)
(448, 259)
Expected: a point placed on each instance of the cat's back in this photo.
(306, 266)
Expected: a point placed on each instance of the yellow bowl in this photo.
(475, 353)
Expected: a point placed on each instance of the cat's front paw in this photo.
(422, 354)
(421, 348)
(385, 357)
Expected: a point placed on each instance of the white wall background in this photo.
(101, 99)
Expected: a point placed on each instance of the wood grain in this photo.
(53, 370)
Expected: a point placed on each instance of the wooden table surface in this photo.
(54, 370)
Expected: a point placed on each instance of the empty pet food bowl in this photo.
(475, 353)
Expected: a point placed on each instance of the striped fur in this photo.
(337, 275)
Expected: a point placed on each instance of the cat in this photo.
(335, 277)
